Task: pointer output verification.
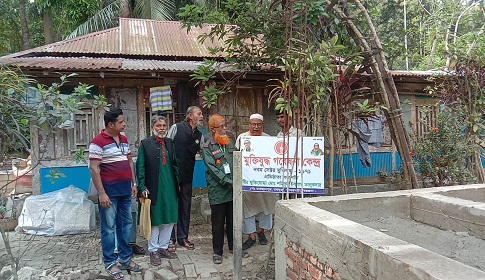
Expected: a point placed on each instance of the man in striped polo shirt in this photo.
(113, 175)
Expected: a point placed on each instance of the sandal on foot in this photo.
(137, 249)
(171, 246)
(248, 243)
(131, 266)
(187, 244)
(262, 238)
(116, 274)
(217, 259)
(165, 253)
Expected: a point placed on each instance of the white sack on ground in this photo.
(65, 211)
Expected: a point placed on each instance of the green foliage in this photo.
(158, 10)
(54, 174)
(204, 72)
(427, 25)
(254, 35)
(47, 112)
(203, 75)
(210, 94)
(53, 108)
(395, 177)
(10, 36)
(365, 109)
(317, 67)
(14, 115)
(252, 39)
(441, 153)
(465, 86)
(78, 154)
(66, 16)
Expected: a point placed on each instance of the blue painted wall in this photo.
(380, 161)
(199, 175)
(78, 176)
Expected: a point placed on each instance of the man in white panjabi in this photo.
(256, 204)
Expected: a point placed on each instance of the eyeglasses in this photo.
(222, 125)
(256, 124)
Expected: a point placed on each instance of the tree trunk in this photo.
(23, 24)
(125, 9)
(447, 48)
(433, 49)
(477, 167)
(384, 85)
(48, 27)
(3, 145)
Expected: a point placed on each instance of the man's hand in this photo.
(134, 191)
(104, 200)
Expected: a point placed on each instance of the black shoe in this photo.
(137, 249)
(217, 259)
(262, 238)
(248, 243)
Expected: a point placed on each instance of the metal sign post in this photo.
(237, 215)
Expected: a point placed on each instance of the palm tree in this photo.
(150, 9)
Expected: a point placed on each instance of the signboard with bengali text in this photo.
(271, 164)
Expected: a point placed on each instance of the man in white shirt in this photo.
(256, 204)
(286, 128)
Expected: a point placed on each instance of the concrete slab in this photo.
(330, 234)
(190, 271)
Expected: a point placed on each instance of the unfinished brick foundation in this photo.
(313, 240)
(301, 265)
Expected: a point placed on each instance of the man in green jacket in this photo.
(217, 152)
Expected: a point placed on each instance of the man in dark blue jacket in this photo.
(187, 140)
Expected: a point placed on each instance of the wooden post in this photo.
(237, 214)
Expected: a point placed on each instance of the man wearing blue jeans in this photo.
(113, 175)
(137, 249)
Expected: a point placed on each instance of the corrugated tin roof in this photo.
(169, 65)
(140, 37)
(163, 38)
(416, 73)
(89, 63)
(136, 45)
(62, 63)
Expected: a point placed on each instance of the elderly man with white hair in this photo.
(256, 204)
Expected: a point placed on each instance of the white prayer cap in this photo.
(256, 116)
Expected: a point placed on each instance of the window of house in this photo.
(85, 127)
(425, 118)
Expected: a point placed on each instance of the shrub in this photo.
(441, 154)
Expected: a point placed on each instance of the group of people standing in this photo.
(164, 173)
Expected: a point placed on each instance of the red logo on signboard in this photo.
(281, 147)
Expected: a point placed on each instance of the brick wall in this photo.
(302, 265)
